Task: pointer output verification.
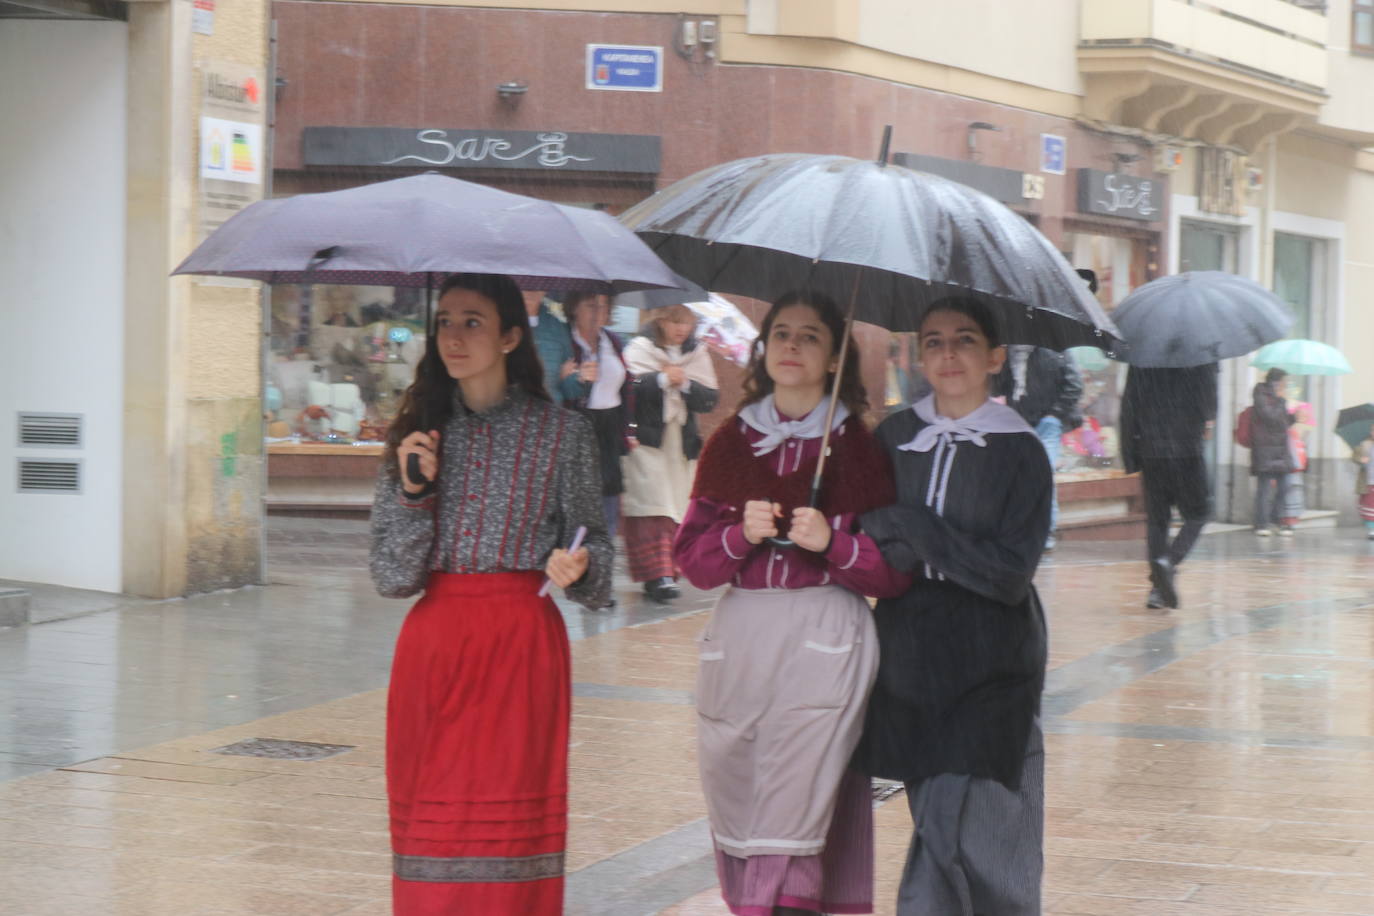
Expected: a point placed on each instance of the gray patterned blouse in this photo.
(515, 481)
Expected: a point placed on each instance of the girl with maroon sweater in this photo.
(789, 656)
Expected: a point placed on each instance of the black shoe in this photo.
(1162, 577)
(662, 589)
(1155, 600)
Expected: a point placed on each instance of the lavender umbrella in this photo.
(412, 231)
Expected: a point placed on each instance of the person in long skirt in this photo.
(954, 714)
(478, 709)
(674, 381)
(788, 657)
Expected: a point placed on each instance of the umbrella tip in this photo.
(887, 143)
(321, 256)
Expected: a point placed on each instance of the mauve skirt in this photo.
(782, 684)
(477, 749)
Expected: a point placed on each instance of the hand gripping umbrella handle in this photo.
(813, 502)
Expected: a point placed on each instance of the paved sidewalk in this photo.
(1213, 761)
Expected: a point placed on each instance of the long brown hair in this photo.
(428, 402)
(757, 384)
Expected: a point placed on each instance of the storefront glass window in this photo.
(1207, 247)
(342, 356)
(1296, 278)
(1092, 450)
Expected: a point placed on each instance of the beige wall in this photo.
(1351, 85)
(1357, 330)
(1313, 176)
(193, 452)
(1296, 55)
(979, 36)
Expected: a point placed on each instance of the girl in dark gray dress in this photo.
(962, 653)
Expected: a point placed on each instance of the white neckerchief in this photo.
(610, 375)
(763, 416)
(942, 434)
(973, 427)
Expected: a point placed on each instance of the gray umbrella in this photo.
(645, 299)
(412, 231)
(902, 239)
(1198, 317)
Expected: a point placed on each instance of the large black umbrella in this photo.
(883, 239)
(902, 239)
(645, 299)
(1198, 317)
(412, 231)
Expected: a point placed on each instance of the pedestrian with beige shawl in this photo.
(674, 381)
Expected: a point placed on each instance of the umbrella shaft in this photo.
(835, 392)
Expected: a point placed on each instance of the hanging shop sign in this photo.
(1114, 194)
(627, 68)
(233, 153)
(545, 151)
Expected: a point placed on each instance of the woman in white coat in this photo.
(674, 381)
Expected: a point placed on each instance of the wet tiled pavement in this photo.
(1211, 761)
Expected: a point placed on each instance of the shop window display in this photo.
(342, 357)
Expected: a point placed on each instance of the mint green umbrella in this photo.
(1089, 359)
(1301, 357)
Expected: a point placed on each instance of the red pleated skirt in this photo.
(477, 749)
(649, 546)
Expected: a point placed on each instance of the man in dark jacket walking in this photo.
(1044, 387)
(1270, 462)
(1165, 416)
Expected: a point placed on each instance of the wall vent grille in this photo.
(50, 430)
(49, 475)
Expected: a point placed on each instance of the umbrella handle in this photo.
(813, 502)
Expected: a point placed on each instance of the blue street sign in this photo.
(1054, 153)
(629, 68)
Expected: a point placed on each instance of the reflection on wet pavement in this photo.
(1210, 761)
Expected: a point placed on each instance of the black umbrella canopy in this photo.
(658, 298)
(412, 231)
(1354, 423)
(1199, 317)
(760, 226)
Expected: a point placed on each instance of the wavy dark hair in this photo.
(428, 402)
(757, 384)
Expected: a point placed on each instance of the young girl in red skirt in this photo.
(478, 711)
